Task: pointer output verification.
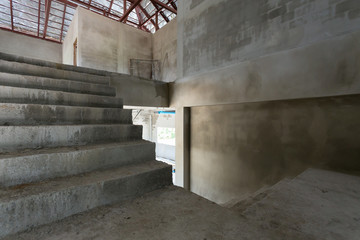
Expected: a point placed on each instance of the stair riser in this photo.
(15, 80)
(39, 167)
(32, 114)
(36, 96)
(31, 137)
(20, 214)
(34, 70)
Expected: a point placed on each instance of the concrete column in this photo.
(182, 159)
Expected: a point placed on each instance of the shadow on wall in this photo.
(238, 148)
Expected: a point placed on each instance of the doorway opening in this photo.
(158, 127)
(75, 52)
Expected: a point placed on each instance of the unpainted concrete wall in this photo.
(68, 43)
(241, 52)
(14, 43)
(164, 50)
(258, 144)
(106, 44)
(222, 32)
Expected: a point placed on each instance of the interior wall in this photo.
(164, 50)
(245, 53)
(68, 43)
(105, 44)
(257, 144)
(18, 44)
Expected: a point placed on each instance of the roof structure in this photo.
(50, 19)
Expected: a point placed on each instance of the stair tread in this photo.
(50, 97)
(36, 70)
(95, 177)
(30, 152)
(43, 63)
(65, 85)
(32, 137)
(16, 114)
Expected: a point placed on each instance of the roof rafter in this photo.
(137, 2)
(47, 14)
(148, 16)
(63, 21)
(167, 7)
(159, 11)
(12, 15)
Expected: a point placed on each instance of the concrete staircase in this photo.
(66, 144)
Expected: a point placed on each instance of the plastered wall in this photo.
(252, 73)
(106, 44)
(164, 50)
(14, 43)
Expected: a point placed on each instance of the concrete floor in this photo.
(315, 205)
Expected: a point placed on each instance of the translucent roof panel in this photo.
(50, 19)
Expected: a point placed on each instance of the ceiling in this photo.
(50, 19)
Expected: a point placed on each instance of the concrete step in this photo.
(14, 138)
(21, 59)
(42, 71)
(64, 85)
(39, 165)
(36, 96)
(35, 114)
(26, 206)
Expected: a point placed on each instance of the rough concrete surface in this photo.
(40, 96)
(318, 205)
(38, 165)
(51, 72)
(43, 202)
(14, 43)
(34, 137)
(15, 80)
(35, 114)
(239, 148)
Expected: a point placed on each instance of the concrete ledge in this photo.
(35, 137)
(33, 205)
(64, 85)
(48, 97)
(35, 114)
(40, 165)
(140, 92)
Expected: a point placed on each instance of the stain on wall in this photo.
(238, 148)
(228, 31)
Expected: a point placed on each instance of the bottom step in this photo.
(26, 206)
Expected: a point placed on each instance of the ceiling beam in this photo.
(174, 5)
(156, 13)
(47, 13)
(38, 30)
(138, 16)
(111, 3)
(129, 10)
(63, 22)
(161, 12)
(167, 7)
(125, 6)
(148, 17)
(12, 15)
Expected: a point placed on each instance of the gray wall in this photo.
(14, 43)
(106, 44)
(68, 43)
(257, 144)
(246, 54)
(164, 50)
